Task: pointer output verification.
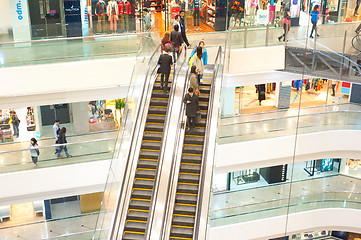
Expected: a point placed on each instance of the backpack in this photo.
(191, 61)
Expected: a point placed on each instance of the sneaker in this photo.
(311, 36)
(356, 15)
(279, 39)
(69, 156)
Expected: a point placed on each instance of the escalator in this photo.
(184, 212)
(146, 171)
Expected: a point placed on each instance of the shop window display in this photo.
(101, 115)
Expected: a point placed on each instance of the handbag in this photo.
(198, 117)
(37, 152)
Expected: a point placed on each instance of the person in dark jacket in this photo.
(192, 108)
(177, 40)
(183, 28)
(261, 90)
(62, 140)
(15, 122)
(165, 61)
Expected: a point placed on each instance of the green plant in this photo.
(120, 103)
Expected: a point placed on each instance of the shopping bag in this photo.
(198, 118)
(192, 60)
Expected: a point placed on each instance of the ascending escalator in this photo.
(142, 190)
(189, 175)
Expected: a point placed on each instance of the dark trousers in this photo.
(357, 6)
(185, 39)
(200, 76)
(191, 121)
(34, 159)
(286, 29)
(333, 89)
(314, 24)
(166, 80)
(196, 18)
(61, 149)
(175, 54)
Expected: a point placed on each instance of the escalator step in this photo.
(178, 238)
(133, 226)
(139, 204)
(154, 127)
(150, 164)
(181, 232)
(133, 236)
(141, 183)
(151, 145)
(183, 221)
(196, 131)
(184, 209)
(160, 94)
(189, 158)
(152, 136)
(156, 118)
(193, 140)
(141, 173)
(141, 194)
(137, 215)
(206, 90)
(188, 178)
(190, 168)
(149, 154)
(187, 188)
(203, 98)
(159, 102)
(196, 149)
(157, 110)
(203, 105)
(186, 199)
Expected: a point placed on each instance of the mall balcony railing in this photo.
(305, 120)
(284, 206)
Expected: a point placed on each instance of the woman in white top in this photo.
(34, 151)
(198, 62)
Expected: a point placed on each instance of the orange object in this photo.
(348, 19)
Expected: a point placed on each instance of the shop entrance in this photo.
(55, 112)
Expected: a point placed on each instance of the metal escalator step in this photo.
(186, 199)
(133, 236)
(203, 105)
(139, 204)
(141, 194)
(187, 188)
(203, 89)
(196, 149)
(156, 118)
(159, 102)
(149, 154)
(151, 145)
(204, 98)
(190, 168)
(154, 127)
(152, 136)
(157, 110)
(140, 183)
(137, 215)
(196, 131)
(133, 226)
(183, 221)
(150, 164)
(188, 178)
(141, 173)
(178, 238)
(188, 158)
(181, 232)
(193, 140)
(184, 209)
(160, 94)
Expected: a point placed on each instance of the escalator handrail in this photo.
(134, 140)
(206, 143)
(173, 176)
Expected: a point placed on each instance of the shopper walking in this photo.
(62, 140)
(165, 61)
(34, 151)
(333, 82)
(314, 19)
(147, 21)
(286, 26)
(56, 130)
(196, 6)
(183, 28)
(15, 121)
(193, 80)
(356, 8)
(177, 40)
(204, 51)
(192, 108)
(261, 90)
(198, 62)
(177, 21)
(166, 41)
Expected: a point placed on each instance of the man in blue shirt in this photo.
(183, 28)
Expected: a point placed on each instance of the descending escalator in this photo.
(189, 175)
(142, 190)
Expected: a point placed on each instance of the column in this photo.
(228, 99)
(80, 117)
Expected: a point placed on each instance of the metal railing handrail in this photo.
(283, 199)
(59, 145)
(206, 143)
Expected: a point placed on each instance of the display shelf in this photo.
(212, 15)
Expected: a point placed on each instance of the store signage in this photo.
(262, 17)
(84, 17)
(20, 20)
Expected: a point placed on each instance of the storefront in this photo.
(351, 167)
(104, 115)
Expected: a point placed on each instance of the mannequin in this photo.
(252, 10)
(125, 9)
(196, 6)
(100, 11)
(113, 15)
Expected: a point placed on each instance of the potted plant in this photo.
(119, 108)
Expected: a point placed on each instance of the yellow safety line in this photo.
(150, 132)
(139, 210)
(182, 215)
(156, 114)
(145, 179)
(135, 221)
(194, 136)
(143, 189)
(153, 150)
(139, 199)
(148, 169)
(180, 238)
(158, 106)
(189, 194)
(190, 173)
(160, 98)
(188, 183)
(179, 226)
(197, 164)
(148, 159)
(152, 123)
(186, 204)
(134, 232)
(145, 140)
(194, 154)
(195, 145)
